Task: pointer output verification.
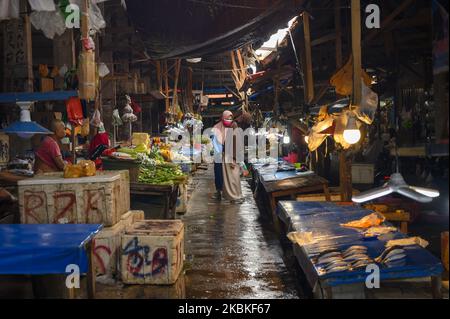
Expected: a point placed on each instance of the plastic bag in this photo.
(87, 168)
(51, 23)
(343, 79)
(74, 111)
(369, 105)
(9, 9)
(73, 171)
(117, 121)
(42, 5)
(96, 119)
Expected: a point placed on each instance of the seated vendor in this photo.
(48, 156)
(101, 138)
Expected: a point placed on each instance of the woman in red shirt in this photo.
(101, 138)
(48, 156)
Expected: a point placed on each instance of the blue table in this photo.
(274, 184)
(324, 220)
(47, 250)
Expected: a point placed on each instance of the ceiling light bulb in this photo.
(307, 139)
(352, 134)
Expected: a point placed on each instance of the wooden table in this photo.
(291, 184)
(323, 221)
(169, 194)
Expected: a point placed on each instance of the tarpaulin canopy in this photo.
(195, 28)
(44, 249)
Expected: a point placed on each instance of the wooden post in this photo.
(345, 177)
(338, 27)
(29, 54)
(309, 79)
(356, 50)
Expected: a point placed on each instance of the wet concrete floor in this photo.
(229, 253)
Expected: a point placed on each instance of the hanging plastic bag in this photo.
(85, 128)
(96, 119)
(342, 80)
(9, 9)
(42, 5)
(51, 23)
(117, 121)
(74, 111)
(369, 105)
(136, 107)
(96, 20)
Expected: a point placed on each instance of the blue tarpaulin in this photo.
(44, 249)
(324, 221)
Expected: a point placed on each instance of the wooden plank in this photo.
(387, 21)
(309, 79)
(356, 51)
(324, 39)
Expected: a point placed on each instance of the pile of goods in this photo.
(356, 258)
(164, 175)
(353, 259)
(372, 220)
(82, 169)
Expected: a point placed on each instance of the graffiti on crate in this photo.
(137, 256)
(65, 208)
(35, 203)
(179, 257)
(139, 259)
(160, 261)
(100, 250)
(93, 200)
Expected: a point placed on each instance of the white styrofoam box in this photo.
(363, 173)
(52, 199)
(131, 217)
(153, 252)
(107, 250)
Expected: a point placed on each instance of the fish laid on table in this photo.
(328, 254)
(356, 258)
(362, 264)
(394, 257)
(355, 252)
(328, 260)
(391, 251)
(353, 248)
(337, 264)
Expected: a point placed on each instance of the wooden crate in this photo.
(107, 245)
(153, 253)
(51, 199)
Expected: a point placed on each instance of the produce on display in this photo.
(161, 174)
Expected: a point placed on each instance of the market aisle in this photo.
(228, 252)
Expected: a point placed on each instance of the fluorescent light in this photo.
(426, 191)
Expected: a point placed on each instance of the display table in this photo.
(276, 184)
(48, 250)
(323, 220)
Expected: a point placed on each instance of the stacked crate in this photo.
(152, 252)
(101, 199)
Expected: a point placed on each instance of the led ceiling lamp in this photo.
(397, 184)
(352, 134)
(25, 128)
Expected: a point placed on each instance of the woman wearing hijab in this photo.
(226, 169)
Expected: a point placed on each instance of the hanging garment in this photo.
(9, 9)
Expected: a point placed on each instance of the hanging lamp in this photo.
(25, 128)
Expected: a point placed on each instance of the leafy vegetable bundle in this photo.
(161, 174)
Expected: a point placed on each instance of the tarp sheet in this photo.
(324, 219)
(44, 249)
(193, 29)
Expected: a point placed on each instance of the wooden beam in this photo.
(389, 19)
(309, 79)
(356, 52)
(324, 39)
